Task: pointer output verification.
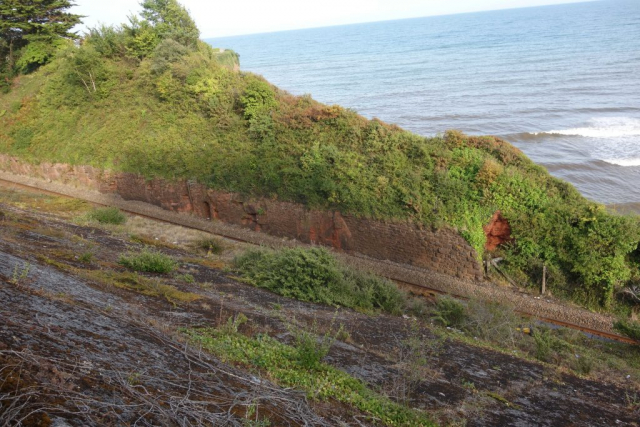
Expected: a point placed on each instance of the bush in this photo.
(148, 261)
(450, 312)
(108, 216)
(210, 245)
(492, 321)
(315, 275)
(628, 328)
(311, 348)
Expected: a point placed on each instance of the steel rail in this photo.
(419, 289)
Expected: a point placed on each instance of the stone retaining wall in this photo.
(444, 251)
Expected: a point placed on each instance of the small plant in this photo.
(187, 278)
(469, 385)
(109, 215)
(86, 257)
(209, 245)
(276, 306)
(311, 347)
(450, 312)
(582, 364)
(148, 261)
(134, 378)
(543, 341)
(20, 274)
(233, 324)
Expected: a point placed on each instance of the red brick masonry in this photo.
(444, 250)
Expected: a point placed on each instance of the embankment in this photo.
(443, 251)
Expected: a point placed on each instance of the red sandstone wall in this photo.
(443, 251)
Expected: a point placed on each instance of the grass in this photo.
(148, 261)
(209, 245)
(287, 366)
(315, 275)
(192, 117)
(496, 326)
(108, 215)
(139, 284)
(58, 205)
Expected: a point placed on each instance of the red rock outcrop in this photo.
(498, 231)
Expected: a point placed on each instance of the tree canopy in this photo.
(31, 30)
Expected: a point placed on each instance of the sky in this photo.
(229, 18)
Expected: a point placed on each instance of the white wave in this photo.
(623, 162)
(608, 127)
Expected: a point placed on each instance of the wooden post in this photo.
(544, 278)
(487, 264)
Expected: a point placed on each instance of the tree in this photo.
(41, 22)
(171, 20)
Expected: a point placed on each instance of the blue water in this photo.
(560, 82)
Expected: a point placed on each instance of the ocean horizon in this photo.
(560, 82)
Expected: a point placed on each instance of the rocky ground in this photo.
(76, 350)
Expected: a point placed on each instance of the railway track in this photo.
(419, 289)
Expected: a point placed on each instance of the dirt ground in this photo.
(74, 351)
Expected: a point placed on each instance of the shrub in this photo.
(315, 275)
(628, 328)
(492, 321)
(108, 216)
(148, 261)
(450, 312)
(211, 245)
(310, 347)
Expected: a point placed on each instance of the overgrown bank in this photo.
(154, 100)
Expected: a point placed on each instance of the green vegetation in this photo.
(449, 312)
(210, 245)
(315, 275)
(148, 261)
(496, 326)
(140, 284)
(178, 109)
(627, 328)
(31, 32)
(297, 366)
(108, 216)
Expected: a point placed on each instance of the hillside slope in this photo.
(182, 110)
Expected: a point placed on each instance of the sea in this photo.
(561, 82)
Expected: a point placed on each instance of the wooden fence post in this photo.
(544, 278)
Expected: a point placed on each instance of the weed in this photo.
(210, 245)
(492, 321)
(543, 340)
(233, 324)
(252, 419)
(86, 257)
(450, 312)
(628, 328)
(187, 278)
(109, 215)
(312, 348)
(149, 241)
(276, 306)
(148, 261)
(582, 364)
(20, 274)
(134, 378)
(469, 385)
(140, 284)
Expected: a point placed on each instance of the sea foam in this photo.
(607, 127)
